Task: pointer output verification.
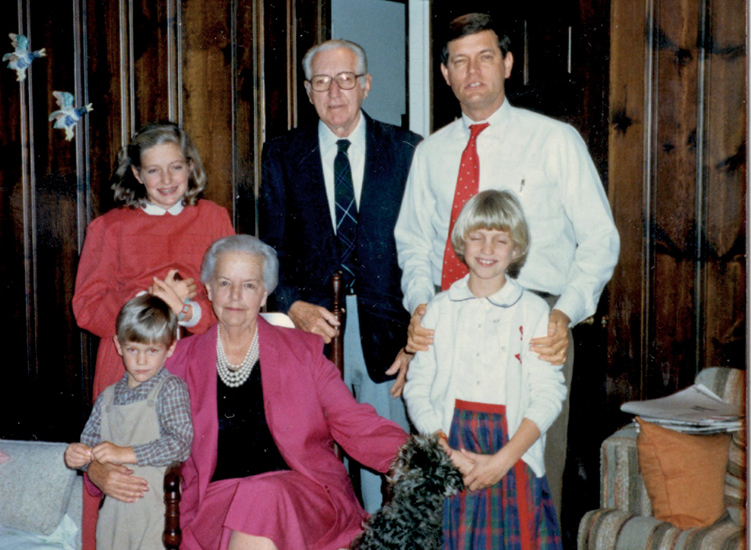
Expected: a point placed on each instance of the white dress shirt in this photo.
(356, 153)
(461, 357)
(480, 353)
(574, 243)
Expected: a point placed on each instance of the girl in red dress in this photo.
(154, 242)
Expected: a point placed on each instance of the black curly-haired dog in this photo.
(423, 476)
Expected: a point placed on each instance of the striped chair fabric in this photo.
(625, 520)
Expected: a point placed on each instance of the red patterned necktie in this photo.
(467, 186)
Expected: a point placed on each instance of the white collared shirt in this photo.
(481, 355)
(155, 210)
(356, 153)
(573, 241)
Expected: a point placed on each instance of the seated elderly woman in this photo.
(267, 407)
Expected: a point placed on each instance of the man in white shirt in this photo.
(329, 199)
(574, 242)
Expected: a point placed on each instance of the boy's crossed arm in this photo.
(107, 452)
(78, 455)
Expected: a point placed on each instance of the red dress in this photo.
(124, 250)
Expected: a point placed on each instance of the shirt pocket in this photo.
(539, 195)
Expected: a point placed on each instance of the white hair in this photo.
(362, 60)
(249, 245)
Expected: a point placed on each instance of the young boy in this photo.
(142, 421)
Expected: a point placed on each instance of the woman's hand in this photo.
(487, 470)
(77, 455)
(117, 481)
(107, 452)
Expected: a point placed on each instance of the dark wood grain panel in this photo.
(60, 379)
(676, 103)
(111, 124)
(14, 180)
(152, 44)
(723, 324)
(208, 75)
(680, 306)
(249, 120)
(312, 24)
(280, 77)
(39, 236)
(590, 60)
(628, 191)
(60, 171)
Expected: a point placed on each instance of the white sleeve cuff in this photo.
(195, 318)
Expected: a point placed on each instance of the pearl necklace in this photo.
(234, 376)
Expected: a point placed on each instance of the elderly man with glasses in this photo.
(330, 196)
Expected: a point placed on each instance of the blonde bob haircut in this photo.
(128, 190)
(146, 319)
(497, 210)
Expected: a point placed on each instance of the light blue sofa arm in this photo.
(36, 492)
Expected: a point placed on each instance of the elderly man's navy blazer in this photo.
(295, 219)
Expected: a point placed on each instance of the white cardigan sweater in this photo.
(535, 389)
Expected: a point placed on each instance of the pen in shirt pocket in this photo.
(521, 187)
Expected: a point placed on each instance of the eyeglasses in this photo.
(345, 81)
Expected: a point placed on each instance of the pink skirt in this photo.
(286, 507)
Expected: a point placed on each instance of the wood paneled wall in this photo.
(666, 123)
(677, 164)
(227, 70)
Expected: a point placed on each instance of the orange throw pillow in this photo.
(684, 474)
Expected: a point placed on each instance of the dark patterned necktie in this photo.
(346, 214)
(467, 185)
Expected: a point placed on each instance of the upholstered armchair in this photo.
(625, 521)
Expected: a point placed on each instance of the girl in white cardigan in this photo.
(480, 384)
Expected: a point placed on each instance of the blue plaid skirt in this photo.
(514, 514)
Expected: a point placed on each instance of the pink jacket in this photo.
(308, 407)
